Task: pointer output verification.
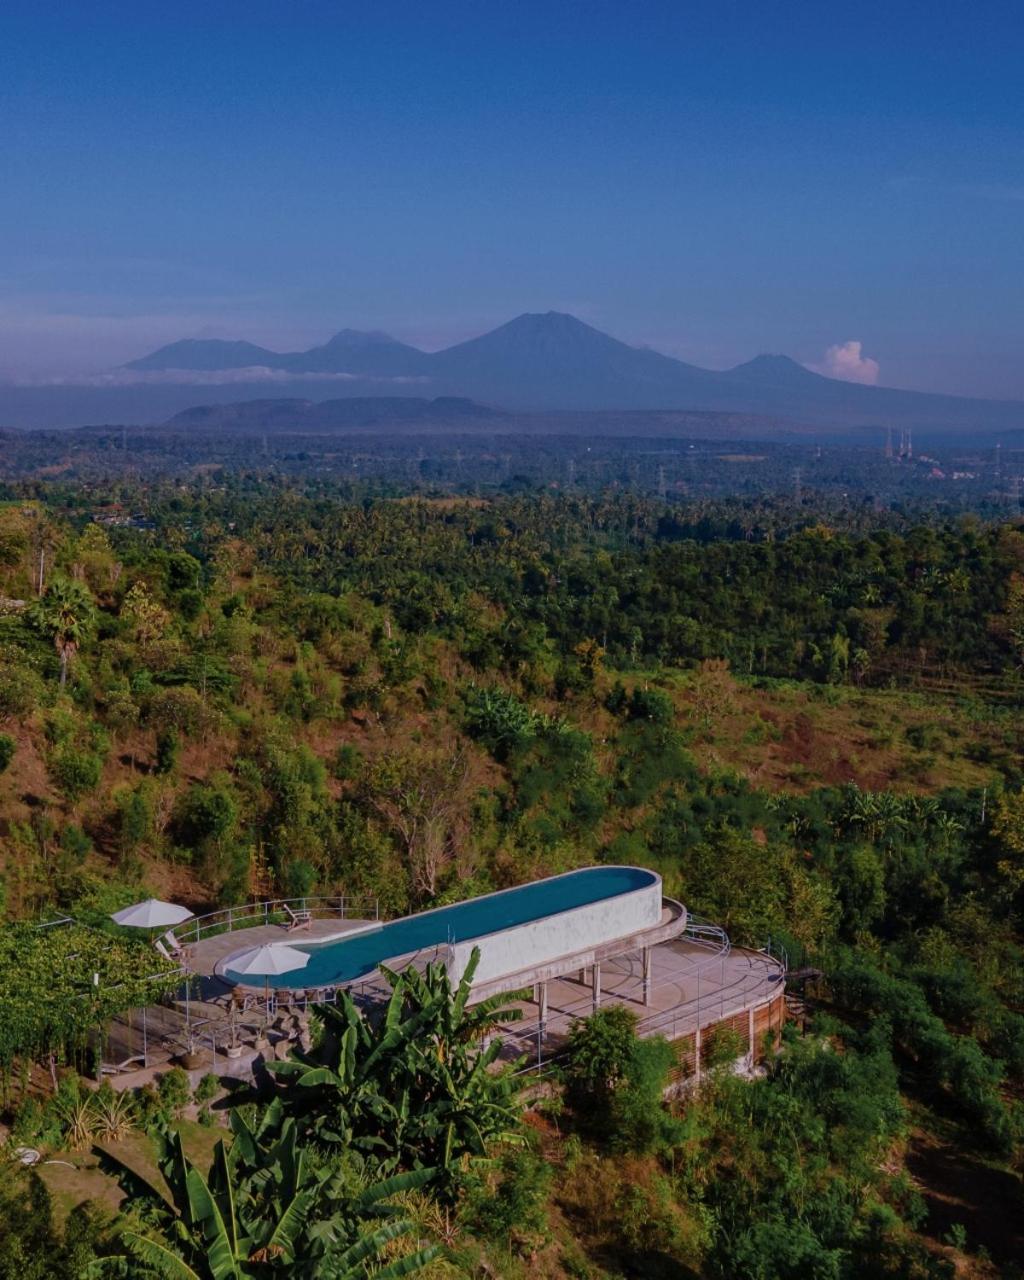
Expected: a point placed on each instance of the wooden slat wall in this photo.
(768, 1017)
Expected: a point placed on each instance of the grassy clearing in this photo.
(793, 736)
(75, 1176)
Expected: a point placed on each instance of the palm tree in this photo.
(263, 1211)
(67, 614)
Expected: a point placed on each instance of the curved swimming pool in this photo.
(347, 958)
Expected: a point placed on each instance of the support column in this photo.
(542, 1019)
(596, 971)
(750, 1034)
(647, 974)
(696, 1055)
(581, 977)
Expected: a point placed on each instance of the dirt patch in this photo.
(961, 1189)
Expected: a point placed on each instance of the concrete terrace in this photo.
(691, 988)
(625, 945)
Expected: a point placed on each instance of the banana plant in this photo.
(412, 1087)
(264, 1210)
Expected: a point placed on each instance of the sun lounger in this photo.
(179, 952)
(297, 919)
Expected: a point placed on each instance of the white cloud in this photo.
(846, 361)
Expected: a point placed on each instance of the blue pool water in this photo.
(346, 959)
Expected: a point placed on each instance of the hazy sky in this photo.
(713, 179)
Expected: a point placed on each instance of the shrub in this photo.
(512, 1207)
(114, 1114)
(205, 812)
(599, 1052)
(75, 1114)
(652, 705)
(615, 1081)
(6, 750)
(21, 691)
(299, 878)
(168, 748)
(174, 1092)
(136, 813)
(348, 761)
(74, 771)
(500, 720)
(207, 1089)
(75, 844)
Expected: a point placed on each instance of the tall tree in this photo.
(66, 613)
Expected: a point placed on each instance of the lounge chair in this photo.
(297, 919)
(164, 953)
(180, 953)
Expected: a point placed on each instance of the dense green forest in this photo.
(807, 720)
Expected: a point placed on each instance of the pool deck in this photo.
(209, 957)
(208, 953)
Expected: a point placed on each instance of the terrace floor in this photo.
(691, 987)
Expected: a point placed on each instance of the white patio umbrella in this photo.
(153, 914)
(268, 961)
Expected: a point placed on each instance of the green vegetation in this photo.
(809, 722)
(413, 1089)
(264, 1209)
(57, 984)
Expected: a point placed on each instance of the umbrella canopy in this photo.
(273, 958)
(152, 914)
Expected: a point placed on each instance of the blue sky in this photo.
(714, 180)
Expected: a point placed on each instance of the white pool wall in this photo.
(579, 929)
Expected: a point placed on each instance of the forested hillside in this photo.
(811, 727)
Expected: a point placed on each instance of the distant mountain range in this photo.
(552, 361)
(533, 365)
(372, 355)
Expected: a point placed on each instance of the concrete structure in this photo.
(633, 947)
(682, 989)
(511, 957)
(525, 936)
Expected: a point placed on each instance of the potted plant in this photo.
(192, 1057)
(233, 1048)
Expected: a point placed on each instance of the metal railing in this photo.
(271, 911)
